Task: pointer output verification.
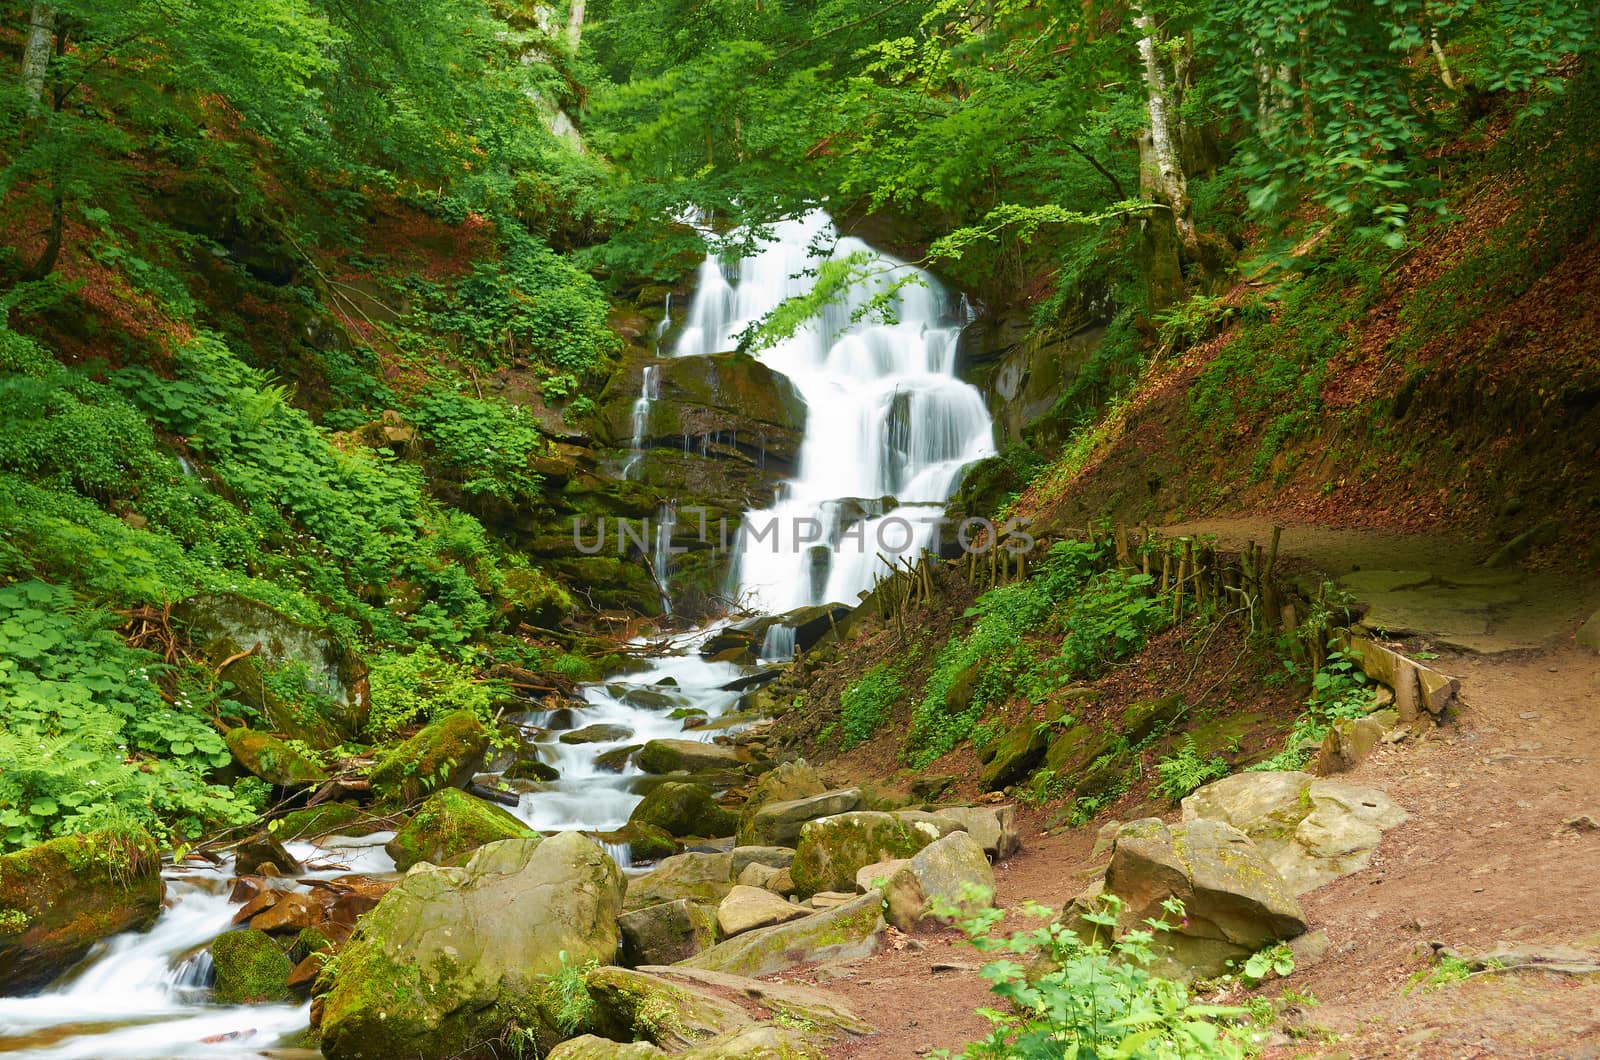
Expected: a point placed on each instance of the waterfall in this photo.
(666, 523)
(885, 415)
(649, 390)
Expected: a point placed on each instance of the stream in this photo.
(889, 429)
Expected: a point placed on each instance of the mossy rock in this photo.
(645, 842)
(532, 769)
(59, 898)
(833, 849)
(699, 877)
(633, 1005)
(272, 759)
(328, 818)
(1015, 753)
(251, 970)
(844, 932)
(684, 810)
(667, 932)
(449, 826)
(444, 754)
(454, 958)
(661, 757)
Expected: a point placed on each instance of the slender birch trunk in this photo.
(36, 52)
(1171, 183)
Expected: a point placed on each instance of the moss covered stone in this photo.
(645, 842)
(833, 849)
(328, 818)
(684, 810)
(453, 958)
(450, 825)
(445, 754)
(250, 968)
(844, 932)
(58, 898)
(272, 759)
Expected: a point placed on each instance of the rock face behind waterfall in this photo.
(452, 960)
(59, 898)
(730, 398)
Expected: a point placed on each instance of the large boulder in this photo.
(694, 756)
(949, 872)
(844, 932)
(667, 932)
(832, 849)
(449, 826)
(631, 1005)
(697, 876)
(748, 908)
(785, 782)
(444, 754)
(272, 759)
(251, 969)
(994, 827)
(1234, 901)
(243, 637)
(454, 957)
(778, 823)
(1312, 830)
(683, 810)
(59, 898)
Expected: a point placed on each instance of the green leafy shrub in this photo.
(406, 685)
(1184, 771)
(86, 735)
(1066, 997)
(866, 703)
(1099, 617)
(484, 444)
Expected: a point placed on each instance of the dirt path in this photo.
(1484, 861)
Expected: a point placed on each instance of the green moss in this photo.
(684, 810)
(58, 898)
(441, 755)
(272, 759)
(250, 968)
(450, 825)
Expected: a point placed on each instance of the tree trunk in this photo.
(574, 34)
(36, 52)
(1171, 185)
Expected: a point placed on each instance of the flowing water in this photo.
(888, 430)
(885, 416)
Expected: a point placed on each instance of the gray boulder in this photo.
(846, 932)
(778, 823)
(1234, 900)
(705, 878)
(994, 827)
(667, 932)
(1312, 830)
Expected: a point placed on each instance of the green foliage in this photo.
(484, 444)
(406, 685)
(567, 995)
(1185, 770)
(1340, 690)
(532, 297)
(87, 737)
(866, 704)
(1275, 960)
(1449, 969)
(1067, 997)
(1098, 618)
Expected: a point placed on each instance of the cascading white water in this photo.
(666, 523)
(649, 391)
(885, 415)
